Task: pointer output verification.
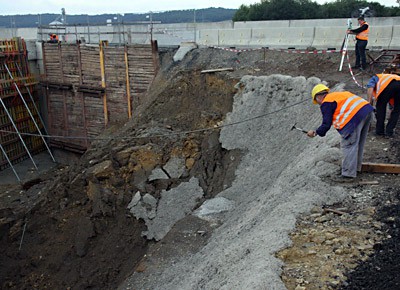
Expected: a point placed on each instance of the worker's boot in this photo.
(344, 179)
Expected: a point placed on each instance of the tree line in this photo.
(263, 10)
(307, 9)
(176, 16)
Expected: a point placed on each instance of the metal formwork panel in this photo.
(18, 128)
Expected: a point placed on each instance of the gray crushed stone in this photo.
(280, 176)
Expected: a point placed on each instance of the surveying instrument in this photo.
(345, 43)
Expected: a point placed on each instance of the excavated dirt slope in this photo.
(131, 213)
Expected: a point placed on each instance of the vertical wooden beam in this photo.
(65, 109)
(103, 82)
(82, 94)
(46, 92)
(154, 52)
(128, 86)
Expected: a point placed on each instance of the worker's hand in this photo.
(371, 101)
(311, 133)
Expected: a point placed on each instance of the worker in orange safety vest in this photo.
(53, 38)
(351, 116)
(362, 40)
(383, 88)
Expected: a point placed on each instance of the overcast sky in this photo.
(9, 7)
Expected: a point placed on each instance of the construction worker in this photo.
(362, 40)
(53, 38)
(383, 88)
(351, 116)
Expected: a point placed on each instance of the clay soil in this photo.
(70, 228)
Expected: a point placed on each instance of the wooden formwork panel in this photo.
(53, 63)
(104, 84)
(70, 64)
(115, 76)
(94, 116)
(141, 71)
(66, 119)
(76, 119)
(55, 106)
(90, 60)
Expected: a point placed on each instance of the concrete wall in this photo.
(282, 34)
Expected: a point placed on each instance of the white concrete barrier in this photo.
(234, 37)
(184, 48)
(31, 48)
(380, 37)
(395, 41)
(27, 33)
(209, 37)
(330, 38)
(174, 35)
(283, 37)
(261, 24)
(340, 22)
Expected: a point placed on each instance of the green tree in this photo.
(307, 9)
(242, 13)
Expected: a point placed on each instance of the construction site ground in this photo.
(281, 222)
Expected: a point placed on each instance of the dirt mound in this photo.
(77, 231)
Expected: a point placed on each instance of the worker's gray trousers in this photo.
(353, 148)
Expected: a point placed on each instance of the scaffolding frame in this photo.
(18, 110)
(30, 114)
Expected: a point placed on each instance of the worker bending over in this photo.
(351, 116)
(384, 88)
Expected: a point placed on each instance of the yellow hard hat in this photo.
(318, 89)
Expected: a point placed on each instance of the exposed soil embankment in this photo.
(78, 231)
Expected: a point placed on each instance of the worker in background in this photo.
(361, 44)
(53, 38)
(382, 88)
(351, 116)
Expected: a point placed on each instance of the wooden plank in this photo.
(380, 168)
(217, 70)
(369, 182)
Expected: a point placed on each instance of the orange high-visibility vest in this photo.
(384, 81)
(348, 105)
(363, 35)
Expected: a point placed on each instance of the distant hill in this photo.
(176, 16)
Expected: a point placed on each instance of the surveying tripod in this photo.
(345, 43)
